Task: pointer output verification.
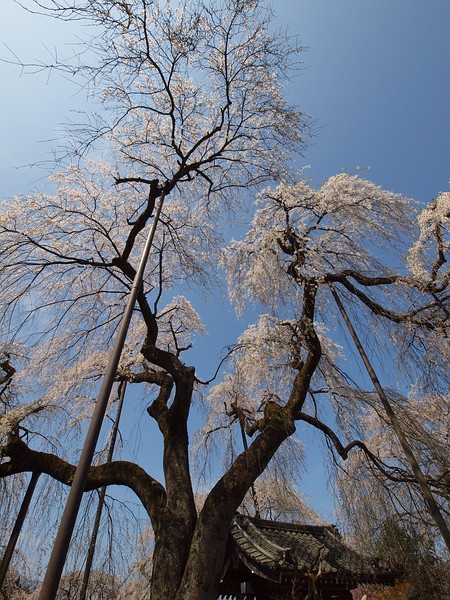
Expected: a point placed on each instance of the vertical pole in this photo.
(101, 499)
(17, 527)
(61, 546)
(407, 450)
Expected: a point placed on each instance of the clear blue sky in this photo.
(376, 80)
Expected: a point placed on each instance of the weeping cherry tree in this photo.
(193, 109)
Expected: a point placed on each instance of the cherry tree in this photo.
(311, 237)
(194, 112)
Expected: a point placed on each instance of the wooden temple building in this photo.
(270, 560)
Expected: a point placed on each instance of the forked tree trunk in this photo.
(190, 570)
(201, 577)
(189, 559)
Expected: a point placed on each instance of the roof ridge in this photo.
(306, 527)
(280, 554)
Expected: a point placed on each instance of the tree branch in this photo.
(375, 307)
(23, 459)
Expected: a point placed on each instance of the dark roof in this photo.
(268, 547)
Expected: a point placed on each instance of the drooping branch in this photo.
(24, 459)
(378, 309)
(343, 451)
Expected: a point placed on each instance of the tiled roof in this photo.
(270, 546)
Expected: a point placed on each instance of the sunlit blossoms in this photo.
(429, 252)
(314, 233)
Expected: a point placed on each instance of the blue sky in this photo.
(376, 80)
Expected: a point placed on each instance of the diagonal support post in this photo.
(427, 495)
(17, 527)
(61, 545)
(101, 499)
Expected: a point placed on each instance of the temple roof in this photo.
(270, 547)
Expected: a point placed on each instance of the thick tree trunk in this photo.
(206, 558)
(170, 555)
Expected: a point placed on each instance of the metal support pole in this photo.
(427, 496)
(17, 527)
(101, 499)
(61, 546)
